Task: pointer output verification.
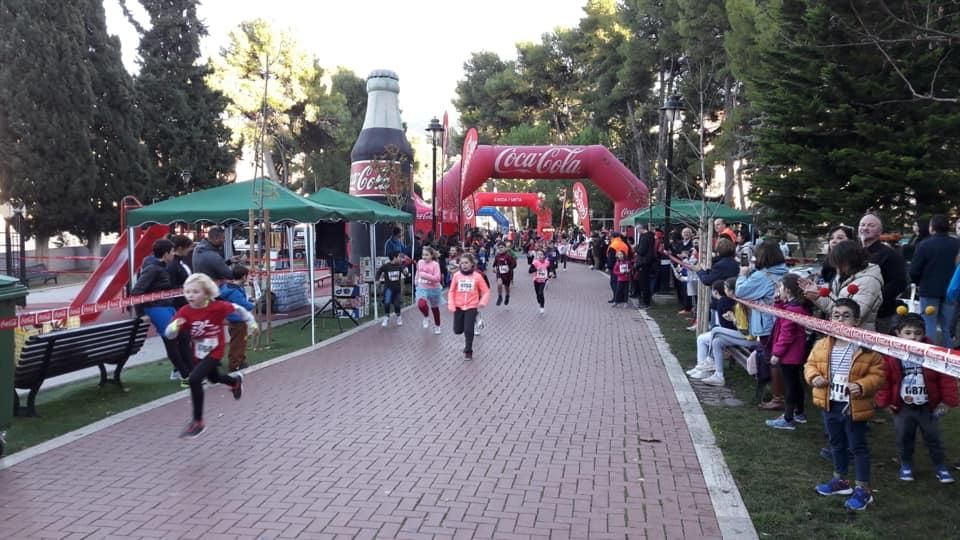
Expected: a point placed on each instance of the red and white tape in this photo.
(940, 359)
(59, 314)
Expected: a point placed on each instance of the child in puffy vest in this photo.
(917, 397)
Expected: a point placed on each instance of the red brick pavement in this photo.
(563, 426)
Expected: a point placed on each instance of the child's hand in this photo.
(172, 329)
(774, 360)
(855, 389)
(818, 382)
(253, 329)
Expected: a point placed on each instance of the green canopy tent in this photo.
(688, 210)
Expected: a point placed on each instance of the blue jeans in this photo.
(847, 436)
(944, 317)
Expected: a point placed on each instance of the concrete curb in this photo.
(90, 429)
(732, 515)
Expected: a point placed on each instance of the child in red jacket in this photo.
(622, 270)
(789, 341)
(917, 397)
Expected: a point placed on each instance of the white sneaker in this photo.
(426, 322)
(479, 323)
(386, 321)
(436, 330)
(399, 321)
(174, 375)
(701, 374)
(541, 311)
(713, 380)
(699, 367)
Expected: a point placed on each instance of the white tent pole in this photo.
(413, 264)
(131, 253)
(290, 237)
(311, 256)
(373, 265)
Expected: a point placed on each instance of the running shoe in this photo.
(184, 383)
(237, 389)
(480, 324)
(193, 429)
(906, 473)
(436, 330)
(943, 475)
(860, 499)
(781, 423)
(426, 322)
(696, 368)
(174, 375)
(499, 300)
(399, 321)
(468, 355)
(800, 418)
(386, 321)
(701, 374)
(506, 301)
(836, 486)
(714, 380)
(541, 311)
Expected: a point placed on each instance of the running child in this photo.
(391, 273)
(553, 257)
(563, 249)
(844, 378)
(540, 269)
(917, 397)
(622, 270)
(503, 265)
(789, 350)
(468, 292)
(429, 288)
(233, 291)
(203, 319)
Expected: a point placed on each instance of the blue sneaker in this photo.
(860, 499)
(781, 423)
(836, 486)
(906, 472)
(944, 476)
(800, 418)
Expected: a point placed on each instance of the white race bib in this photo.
(422, 281)
(838, 389)
(203, 347)
(624, 268)
(504, 269)
(541, 273)
(393, 276)
(465, 285)
(913, 389)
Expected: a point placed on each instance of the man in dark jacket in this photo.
(931, 270)
(646, 257)
(208, 256)
(891, 266)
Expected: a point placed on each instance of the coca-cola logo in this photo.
(557, 160)
(367, 178)
(627, 212)
(467, 210)
(580, 199)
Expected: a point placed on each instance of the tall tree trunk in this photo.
(643, 166)
(730, 103)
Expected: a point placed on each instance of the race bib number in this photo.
(393, 276)
(203, 347)
(465, 285)
(913, 389)
(422, 281)
(838, 389)
(624, 268)
(541, 273)
(504, 269)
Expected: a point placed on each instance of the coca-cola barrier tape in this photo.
(933, 357)
(59, 314)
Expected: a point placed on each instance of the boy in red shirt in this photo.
(203, 317)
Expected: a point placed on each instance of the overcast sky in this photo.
(425, 41)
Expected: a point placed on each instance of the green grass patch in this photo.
(72, 406)
(777, 470)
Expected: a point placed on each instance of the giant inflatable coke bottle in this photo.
(381, 147)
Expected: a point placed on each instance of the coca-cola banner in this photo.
(375, 178)
(582, 204)
(469, 212)
(595, 162)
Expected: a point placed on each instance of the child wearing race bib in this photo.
(391, 273)
(203, 318)
(844, 378)
(553, 257)
(429, 288)
(917, 397)
(540, 269)
(622, 269)
(503, 265)
(468, 293)
(564, 249)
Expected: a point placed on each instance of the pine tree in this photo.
(182, 126)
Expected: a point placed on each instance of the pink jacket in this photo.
(428, 275)
(543, 268)
(789, 338)
(467, 292)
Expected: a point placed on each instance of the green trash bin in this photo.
(12, 294)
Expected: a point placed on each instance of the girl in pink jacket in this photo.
(540, 269)
(468, 292)
(429, 288)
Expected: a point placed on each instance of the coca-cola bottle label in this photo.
(369, 178)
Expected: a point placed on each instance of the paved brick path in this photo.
(563, 426)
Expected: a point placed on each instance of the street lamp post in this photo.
(670, 108)
(436, 130)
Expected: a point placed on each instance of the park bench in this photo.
(65, 351)
(36, 272)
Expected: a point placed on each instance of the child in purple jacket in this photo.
(789, 341)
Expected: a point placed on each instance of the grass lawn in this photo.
(72, 406)
(777, 470)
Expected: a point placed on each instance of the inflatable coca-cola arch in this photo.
(628, 193)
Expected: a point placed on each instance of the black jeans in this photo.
(793, 386)
(623, 287)
(646, 292)
(208, 368)
(392, 297)
(538, 287)
(563, 260)
(463, 321)
(179, 353)
(906, 422)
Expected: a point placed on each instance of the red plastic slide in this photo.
(109, 279)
